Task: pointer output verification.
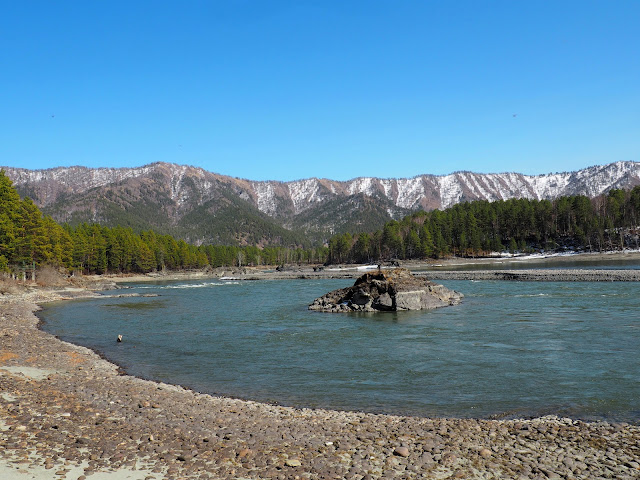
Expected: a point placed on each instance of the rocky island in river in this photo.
(387, 290)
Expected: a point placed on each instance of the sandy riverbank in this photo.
(67, 413)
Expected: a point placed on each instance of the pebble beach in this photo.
(67, 413)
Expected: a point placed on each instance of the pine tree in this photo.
(32, 245)
(9, 217)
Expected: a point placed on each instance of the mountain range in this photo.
(205, 207)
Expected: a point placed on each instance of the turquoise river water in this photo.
(510, 349)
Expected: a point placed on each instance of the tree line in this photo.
(29, 239)
(478, 228)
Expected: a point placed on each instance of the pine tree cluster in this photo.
(479, 228)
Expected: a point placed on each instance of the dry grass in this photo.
(48, 276)
(8, 286)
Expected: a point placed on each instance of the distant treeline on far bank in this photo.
(473, 229)
(29, 239)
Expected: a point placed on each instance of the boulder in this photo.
(387, 290)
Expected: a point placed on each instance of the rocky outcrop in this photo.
(387, 290)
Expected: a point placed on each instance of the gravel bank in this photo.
(541, 275)
(67, 413)
(530, 275)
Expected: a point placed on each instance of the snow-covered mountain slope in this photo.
(430, 191)
(184, 185)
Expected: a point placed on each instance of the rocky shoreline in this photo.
(67, 413)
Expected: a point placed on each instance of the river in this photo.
(510, 349)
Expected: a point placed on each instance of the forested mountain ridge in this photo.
(204, 207)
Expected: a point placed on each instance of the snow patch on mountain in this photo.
(361, 185)
(265, 197)
(176, 185)
(549, 186)
(450, 190)
(410, 192)
(387, 187)
(303, 193)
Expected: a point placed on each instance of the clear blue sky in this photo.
(294, 89)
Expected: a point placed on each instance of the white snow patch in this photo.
(367, 267)
(176, 184)
(410, 191)
(265, 197)
(361, 185)
(551, 185)
(303, 193)
(387, 186)
(450, 190)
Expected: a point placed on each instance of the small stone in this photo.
(448, 460)
(485, 453)
(426, 459)
(392, 462)
(245, 452)
(550, 474)
(293, 462)
(401, 451)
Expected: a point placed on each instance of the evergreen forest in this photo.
(479, 228)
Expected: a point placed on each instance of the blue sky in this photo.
(295, 89)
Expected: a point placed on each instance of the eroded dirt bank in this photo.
(67, 413)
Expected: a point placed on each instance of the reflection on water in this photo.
(137, 305)
(509, 349)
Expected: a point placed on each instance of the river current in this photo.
(510, 349)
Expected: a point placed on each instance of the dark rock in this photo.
(387, 290)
